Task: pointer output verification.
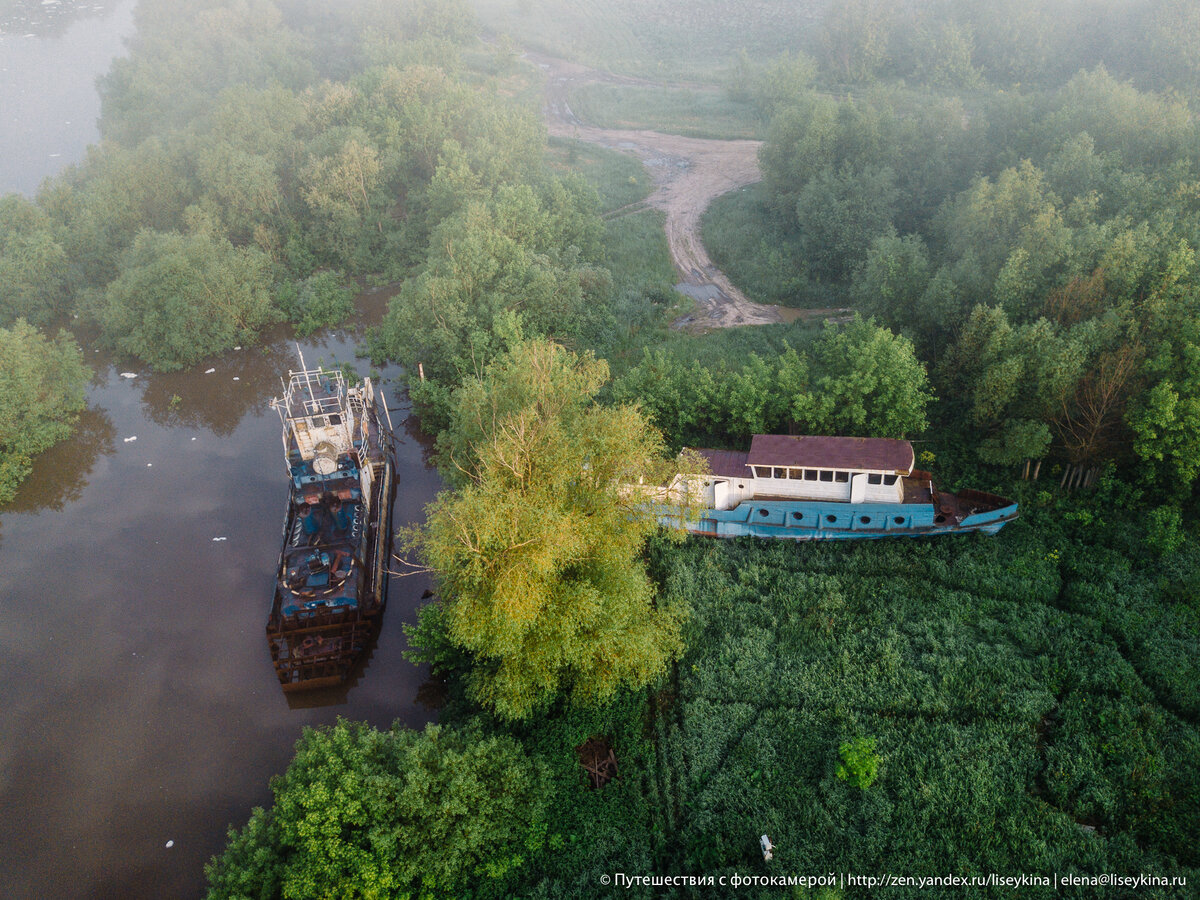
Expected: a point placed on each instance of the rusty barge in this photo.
(331, 583)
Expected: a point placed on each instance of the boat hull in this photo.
(317, 648)
(812, 520)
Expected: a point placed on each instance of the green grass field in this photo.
(620, 179)
(703, 113)
(661, 39)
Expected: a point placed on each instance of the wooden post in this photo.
(421, 370)
(1037, 469)
(1066, 474)
(1025, 475)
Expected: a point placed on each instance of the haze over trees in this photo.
(1004, 199)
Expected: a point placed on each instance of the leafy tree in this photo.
(856, 37)
(517, 254)
(382, 814)
(536, 555)
(860, 762)
(320, 301)
(867, 382)
(840, 213)
(32, 264)
(42, 383)
(178, 299)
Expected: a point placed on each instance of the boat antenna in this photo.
(307, 377)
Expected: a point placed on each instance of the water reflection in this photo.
(140, 701)
(60, 474)
(48, 18)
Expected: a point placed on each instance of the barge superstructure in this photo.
(831, 488)
(331, 584)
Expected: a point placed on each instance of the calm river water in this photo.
(138, 705)
(139, 702)
(51, 53)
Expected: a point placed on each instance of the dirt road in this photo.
(688, 173)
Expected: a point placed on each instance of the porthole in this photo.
(866, 520)
(899, 520)
(938, 520)
(797, 516)
(831, 519)
(764, 513)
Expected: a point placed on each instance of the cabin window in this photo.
(810, 474)
(797, 516)
(874, 479)
(335, 419)
(795, 473)
(764, 513)
(889, 479)
(899, 520)
(780, 473)
(827, 476)
(841, 477)
(866, 520)
(831, 519)
(741, 487)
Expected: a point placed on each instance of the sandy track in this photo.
(688, 173)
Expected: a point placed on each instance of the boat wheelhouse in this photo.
(331, 584)
(823, 488)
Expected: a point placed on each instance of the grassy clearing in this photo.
(661, 39)
(746, 242)
(637, 253)
(1019, 689)
(620, 179)
(703, 113)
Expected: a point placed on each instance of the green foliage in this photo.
(365, 813)
(521, 255)
(858, 380)
(178, 299)
(32, 264)
(42, 383)
(536, 552)
(320, 301)
(860, 762)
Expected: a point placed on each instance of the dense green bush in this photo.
(381, 814)
(42, 383)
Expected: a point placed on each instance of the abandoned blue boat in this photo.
(331, 585)
(832, 488)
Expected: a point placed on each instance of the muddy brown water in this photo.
(138, 705)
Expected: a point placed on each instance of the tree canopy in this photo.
(536, 555)
(375, 815)
(42, 383)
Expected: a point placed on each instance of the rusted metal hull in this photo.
(332, 578)
(319, 648)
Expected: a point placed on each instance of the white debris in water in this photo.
(170, 844)
(235, 378)
(220, 539)
(128, 439)
(193, 439)
(209, 371)
(129, 374)
(237, 348)
(148, 465)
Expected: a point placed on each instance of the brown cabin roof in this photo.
(884, 454)
(726, 463)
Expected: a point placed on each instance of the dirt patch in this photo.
(688, 174)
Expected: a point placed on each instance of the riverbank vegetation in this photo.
(1013, 229)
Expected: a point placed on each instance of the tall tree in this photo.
(536, 555)
(381, 814)
(42, 385)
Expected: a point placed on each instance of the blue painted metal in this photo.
(814, 520)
